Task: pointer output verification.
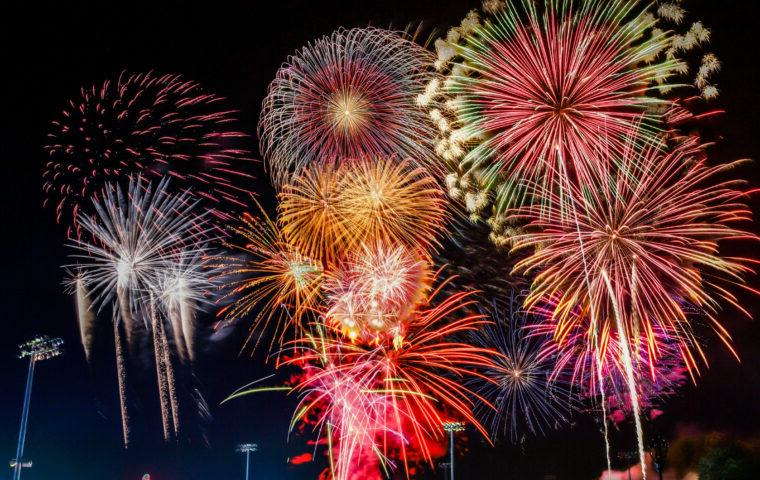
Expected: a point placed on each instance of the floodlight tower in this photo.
(39, 348)
(452, 427)
(247, 448)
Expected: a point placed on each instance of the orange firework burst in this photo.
(311, 215)
(392, 202)
(641, 245)
(374, 291)
(331, 209)
(272, 276)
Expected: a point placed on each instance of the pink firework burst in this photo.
(147, 124)
(374, 291)
(346, 403)
(347, 95)
(595, 366)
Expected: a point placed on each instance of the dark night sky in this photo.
(49, 52)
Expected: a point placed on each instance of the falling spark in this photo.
(121, 377)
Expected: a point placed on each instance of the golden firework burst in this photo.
(391, 202)
(311, 214)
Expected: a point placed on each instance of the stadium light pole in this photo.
(452, 427)
(39, 348)
(247, 448)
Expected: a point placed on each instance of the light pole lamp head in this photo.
(453, 426)
(627, 456)
(41, 348)
(247, 448)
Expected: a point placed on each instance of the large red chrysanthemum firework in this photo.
(381, 398)
(537, 85)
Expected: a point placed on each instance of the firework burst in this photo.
(373, 293)
(312, 217)
(389, 201)
(633, 246)
(272, 277)
(419, 376)
(540, 81)
(347, 402)
(526, 394)
(652, 227)
(143, 123)
(329, 209)
(138, 234)
(347, 95)
(184, 288)
(581, 358)
(145, 257)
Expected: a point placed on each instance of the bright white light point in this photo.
(124, 270)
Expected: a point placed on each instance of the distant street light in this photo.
(39, 348)
(445, 466)
(247, 448)
(628, 457)
(452, 427)
(658, 448)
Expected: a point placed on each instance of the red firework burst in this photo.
(397, 394)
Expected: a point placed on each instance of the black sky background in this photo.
(234, 50)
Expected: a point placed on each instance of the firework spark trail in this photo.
(85, 316)
(175, 313)
(121, 378)
(604, 412)
(125, 313)
(628, 363)
(187, 313)
(594, 332)
(161, 382)
(170, 383)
